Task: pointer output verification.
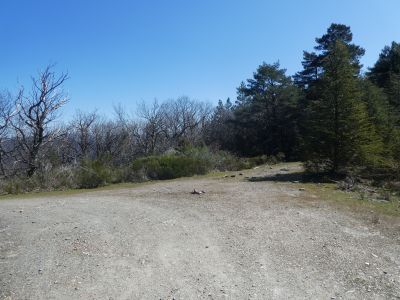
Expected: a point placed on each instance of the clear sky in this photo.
(124, 51)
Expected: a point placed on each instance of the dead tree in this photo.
(6, 113)
(184, 120)
(150, 132)
(36, 112)
(82, 126)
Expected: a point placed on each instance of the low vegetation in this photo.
(96, 173)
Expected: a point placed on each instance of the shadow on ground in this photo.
(296, 177)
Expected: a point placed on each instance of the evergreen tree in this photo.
(219, 131)
(379, 112)
(340, 133)
(265, 113)
(313, 61)
(386, 74)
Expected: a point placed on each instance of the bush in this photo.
(192, 161)
(169, 167)
(43, 180)
(12, 186)
(53, 178)
(92, 174)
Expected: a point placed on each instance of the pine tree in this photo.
(219, 131)
(380, 112)
(340, 133)
(313, 61)
(265, 113)
(386, 74)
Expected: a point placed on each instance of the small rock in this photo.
(367, 263)
(194, 192)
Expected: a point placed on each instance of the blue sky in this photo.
(128, 51)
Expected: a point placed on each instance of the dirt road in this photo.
(239, 240)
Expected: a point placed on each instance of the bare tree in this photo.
(184, 120)
(36, 112)
(128, 128)
(107, 139)
(6, 113)
(151, 131)
(82, 126)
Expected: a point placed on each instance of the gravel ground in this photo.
(239, 240)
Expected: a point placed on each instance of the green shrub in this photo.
(12, 186)
(169, 166)
(218, 160)
(53, 178)
(92, 174)
(192, 161)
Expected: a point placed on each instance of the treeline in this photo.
(329, 115)
(159, 141)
